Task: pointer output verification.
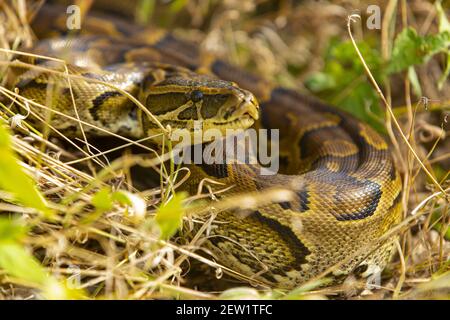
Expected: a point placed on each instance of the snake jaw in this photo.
(249, 106)
(242, 116)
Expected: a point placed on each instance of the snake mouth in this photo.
(243, 115)
(242, 122)
(248, 107)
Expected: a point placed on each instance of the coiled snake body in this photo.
(346, 188)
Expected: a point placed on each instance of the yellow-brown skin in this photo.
(346, 187)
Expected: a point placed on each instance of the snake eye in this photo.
(196, 96)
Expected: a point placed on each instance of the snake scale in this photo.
(345, 185)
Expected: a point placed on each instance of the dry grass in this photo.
(120, 254)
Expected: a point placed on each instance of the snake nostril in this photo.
(360, 269)
(229, 112)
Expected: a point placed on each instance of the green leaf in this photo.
(14, 180)
(122, 197)
(411, 49)
(17, 262)
(343, 83)
(444, 26)
(320, 81)
(436, 220)
(299, 292)
(137, 206)
(177, 5)
(445, 74)
(12, 230)
(170, 216)
(55, 290)
(412, 75)
(447, 231)
(105, 199)
(102, 200)
(144, 11)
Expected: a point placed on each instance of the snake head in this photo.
(183, 99)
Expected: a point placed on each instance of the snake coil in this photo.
(346, 188)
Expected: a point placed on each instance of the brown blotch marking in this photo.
(178, 52)
(368, 194)
(212, 104)
(372, 138)
(152, 37)
(188, 114)
(308, 140)
(284, 161)
(27, 83)
(346, 164)
(296, 247)
(162, 103)
(371, 190)
(392, 172)
(303, 198)
(99, 101)
(286, 205)
(217, 170)
(243, 257)
(143, 55)
(99, 26)
(319, 121)
(340, 148)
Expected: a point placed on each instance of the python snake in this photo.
(345, 185)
